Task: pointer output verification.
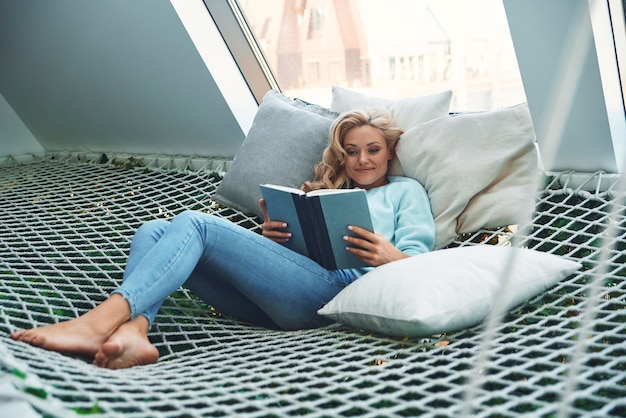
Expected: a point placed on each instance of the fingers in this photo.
(270, 226)
(362, 232)
(372, 248)
(266, 217)
(362, 248)
(365, 238)
(271, 230)
(358, 243)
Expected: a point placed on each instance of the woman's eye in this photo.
(374, 150)
(351, 153)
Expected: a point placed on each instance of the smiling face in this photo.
(367, 157)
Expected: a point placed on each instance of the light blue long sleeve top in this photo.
(401, 212)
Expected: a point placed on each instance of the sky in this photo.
(399, 19)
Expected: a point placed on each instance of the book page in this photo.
(331, 191)
(284, 188)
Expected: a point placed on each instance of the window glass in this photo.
(391, 48)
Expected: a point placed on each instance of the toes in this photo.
(16, 335)
(115, 355)
(108, 355)
(35, 340)
(25, 336)
(100, 360)
(20, 335)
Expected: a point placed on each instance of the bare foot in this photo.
(83, 335)
(65, 337)
(129, 346)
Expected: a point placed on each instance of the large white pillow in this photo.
(445, 290)
(479, 169)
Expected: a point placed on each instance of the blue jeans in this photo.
(238, 272)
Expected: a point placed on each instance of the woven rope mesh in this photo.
(66, 221)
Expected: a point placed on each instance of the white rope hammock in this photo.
(65, 226)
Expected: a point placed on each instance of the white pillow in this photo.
(405, 113)
(445, 290)
(479, 169)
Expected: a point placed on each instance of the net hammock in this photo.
(66, 221)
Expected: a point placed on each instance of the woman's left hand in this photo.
(374, 250)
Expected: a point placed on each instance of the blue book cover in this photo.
(319, 220)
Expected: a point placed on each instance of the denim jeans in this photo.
(237, 271)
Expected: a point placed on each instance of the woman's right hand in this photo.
(270, 229)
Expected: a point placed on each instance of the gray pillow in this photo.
(285, 141)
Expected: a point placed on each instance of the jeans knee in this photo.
(188, 215)
(193, 218)
(151, 229)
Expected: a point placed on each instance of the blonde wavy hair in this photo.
(330, 172)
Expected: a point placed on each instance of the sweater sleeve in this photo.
(401, 213)
(415, 227)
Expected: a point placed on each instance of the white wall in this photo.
(112, 75)
(16, 139)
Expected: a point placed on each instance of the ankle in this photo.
(139, 324)
(109, 315)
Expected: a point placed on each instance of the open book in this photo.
(319, 220)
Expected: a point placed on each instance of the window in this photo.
(313, 72)
(316, 22)
(334, 71)
(394, 49)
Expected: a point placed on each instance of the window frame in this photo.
(243, 45)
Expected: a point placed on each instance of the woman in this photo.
(244, 274)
